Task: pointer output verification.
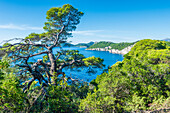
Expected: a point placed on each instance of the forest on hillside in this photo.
(140, 82)
(104, 44)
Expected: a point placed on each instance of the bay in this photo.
(109, 60)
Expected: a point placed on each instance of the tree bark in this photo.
(53, 62)
(53, 66)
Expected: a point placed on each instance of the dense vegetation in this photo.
(29, 84)
(104, 44)
(168, 43)
(32, 76)
(60, 98)
(140, 82)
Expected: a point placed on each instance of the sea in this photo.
(109, 60)
(81, 73)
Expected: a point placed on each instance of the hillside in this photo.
(84, 44)
(68, 45)
(141, 82)
(118, 46)
(78, 45)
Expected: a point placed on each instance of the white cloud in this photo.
(103, 35)
(87, 32)
(19, 27)
(95, 33)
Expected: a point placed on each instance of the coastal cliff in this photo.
(115, 51)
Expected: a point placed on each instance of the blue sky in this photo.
(104, 20)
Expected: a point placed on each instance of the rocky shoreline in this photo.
(114, 51)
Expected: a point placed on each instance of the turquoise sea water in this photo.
(109, 60)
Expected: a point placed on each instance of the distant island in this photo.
(86, 45)
(116, 48)
(166, 39)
